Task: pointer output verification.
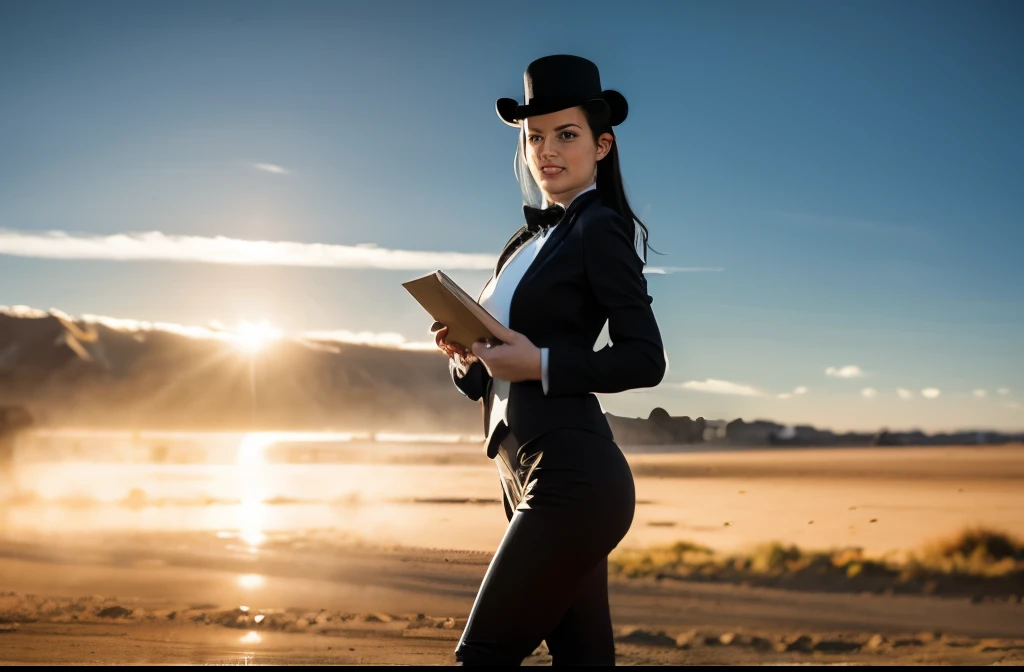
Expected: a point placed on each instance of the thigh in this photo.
(537, 574)
(584, 635)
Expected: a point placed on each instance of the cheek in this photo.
(531, 157)
(580, 159)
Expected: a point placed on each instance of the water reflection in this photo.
(251, 581)
(252, 478)
(251, 637)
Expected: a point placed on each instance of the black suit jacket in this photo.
(587, 272)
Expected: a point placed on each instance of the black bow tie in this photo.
(538, 220)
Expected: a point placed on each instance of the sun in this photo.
(251, 338)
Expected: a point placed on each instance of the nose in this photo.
(545, 149)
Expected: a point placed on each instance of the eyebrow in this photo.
(557, 128)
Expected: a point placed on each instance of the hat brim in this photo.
(512, 113)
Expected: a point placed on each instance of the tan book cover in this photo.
(446, 302)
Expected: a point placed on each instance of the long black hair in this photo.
(609, 176)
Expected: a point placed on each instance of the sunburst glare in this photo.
(251, 338)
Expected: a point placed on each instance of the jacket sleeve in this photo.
(471, 382)
(636, 356)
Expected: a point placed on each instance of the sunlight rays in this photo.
(251, 338)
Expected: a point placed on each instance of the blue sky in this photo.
(853, 168)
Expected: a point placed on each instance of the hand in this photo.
(462, 357)
(515, 359)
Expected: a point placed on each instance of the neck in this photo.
(565, 198)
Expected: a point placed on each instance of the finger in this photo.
(504, 334)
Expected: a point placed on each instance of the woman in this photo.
(568, 490)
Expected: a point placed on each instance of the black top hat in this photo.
(556, 83)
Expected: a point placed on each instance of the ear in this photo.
(604, 145)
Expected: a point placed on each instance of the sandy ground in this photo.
(65, 597)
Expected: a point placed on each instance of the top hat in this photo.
(556, 83)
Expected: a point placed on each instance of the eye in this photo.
(534, 138)
(567, 135)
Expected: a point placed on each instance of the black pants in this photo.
(571, 503)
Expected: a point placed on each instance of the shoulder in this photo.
(599, 221)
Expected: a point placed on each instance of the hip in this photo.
(567, 469)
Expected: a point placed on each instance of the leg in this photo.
(536, 575)
(577, 504)
(584, 637)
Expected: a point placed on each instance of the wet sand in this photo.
(346, 595)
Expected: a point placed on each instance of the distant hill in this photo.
(67, 371)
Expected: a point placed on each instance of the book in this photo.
(467, 321)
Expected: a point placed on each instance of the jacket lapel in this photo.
(558, 234)
(513, 244)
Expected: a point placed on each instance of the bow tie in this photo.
(538, 220)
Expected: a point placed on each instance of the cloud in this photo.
(26, 312)
(135, 326)
(980, 394)
(1003, 390)
(1011, 404)
(379, 339)
(848, 371)
(219, 331)
(270, 168)
(796, 392)
(665, 270)
(722, 387)
(904, 394)
(869, 392)
(157, 246)
(931, 392)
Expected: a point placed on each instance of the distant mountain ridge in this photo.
(69, 371)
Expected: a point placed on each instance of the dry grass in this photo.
(976, 562)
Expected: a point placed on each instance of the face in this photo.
(563, 154)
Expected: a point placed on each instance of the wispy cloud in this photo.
(270, 168)
(797, 391)
(931, 393)
(157, 246)
(980, 394)
(904, 393)
(665, 270)
(1003, 391)
(869, 393)
(217, 330)
(715, 386)
(379, 339)
(848, 371)
(134, 326)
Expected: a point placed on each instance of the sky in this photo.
(834, 188)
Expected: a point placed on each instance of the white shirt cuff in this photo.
(544, 369)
